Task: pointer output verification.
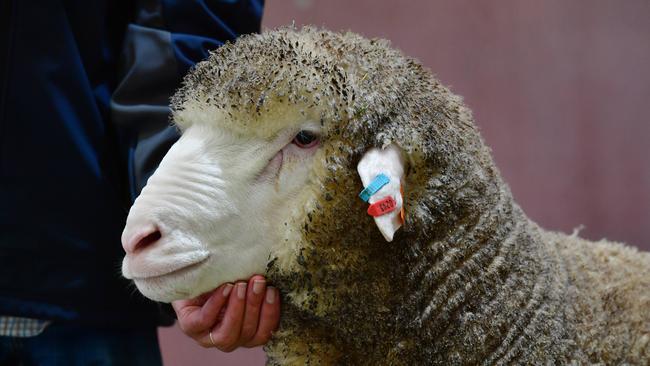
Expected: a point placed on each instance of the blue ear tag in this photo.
(372, 188)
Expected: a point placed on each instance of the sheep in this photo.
(263, 180)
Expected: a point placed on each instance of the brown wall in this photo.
(560, 90)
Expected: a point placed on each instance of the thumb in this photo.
(195, 316)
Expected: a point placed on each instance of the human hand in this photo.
(232, 315)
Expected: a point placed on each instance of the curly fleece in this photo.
(469, 279)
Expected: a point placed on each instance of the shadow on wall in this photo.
(559, 90)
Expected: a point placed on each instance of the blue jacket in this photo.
(84, 88)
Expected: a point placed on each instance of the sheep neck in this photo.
(475, 290)
(486, 286)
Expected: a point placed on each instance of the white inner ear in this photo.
(390, 162)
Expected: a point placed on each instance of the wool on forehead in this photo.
(287, 74)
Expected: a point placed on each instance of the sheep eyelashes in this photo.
(388, 162)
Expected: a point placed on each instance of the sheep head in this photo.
(263, 177)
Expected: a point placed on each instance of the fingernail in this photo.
(258, 286)
(226, 290)
(270, 295)
(241, 290)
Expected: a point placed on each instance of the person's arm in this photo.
(166, 38)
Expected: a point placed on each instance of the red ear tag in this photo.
(382, 207)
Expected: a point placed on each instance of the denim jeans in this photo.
(76, 345)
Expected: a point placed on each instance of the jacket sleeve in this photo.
(165, 39)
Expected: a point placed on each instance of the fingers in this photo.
(268, 320)
(226, 334)
(254, 299)
(214, 307)
(197, 316)
(184, 308)
(243, 314)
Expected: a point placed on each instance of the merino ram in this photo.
(264, 180)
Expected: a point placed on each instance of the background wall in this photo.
(560, 90)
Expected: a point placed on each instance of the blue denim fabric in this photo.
(75, 345)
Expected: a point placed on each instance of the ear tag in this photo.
(382, 207)
(401, 211)
(382, 172)
(372, 188)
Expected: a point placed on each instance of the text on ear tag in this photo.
(382, 207)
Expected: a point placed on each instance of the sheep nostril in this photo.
(144, 239)
(147, 240)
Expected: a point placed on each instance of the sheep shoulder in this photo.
(298, 347)
(609, 290)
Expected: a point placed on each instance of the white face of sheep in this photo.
(213, 208)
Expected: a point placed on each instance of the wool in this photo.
(469, 279)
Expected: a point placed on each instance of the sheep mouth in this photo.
(176, 272)
(160, 270)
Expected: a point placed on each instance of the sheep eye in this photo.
(305, 139)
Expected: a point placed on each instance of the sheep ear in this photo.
(388, 161)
